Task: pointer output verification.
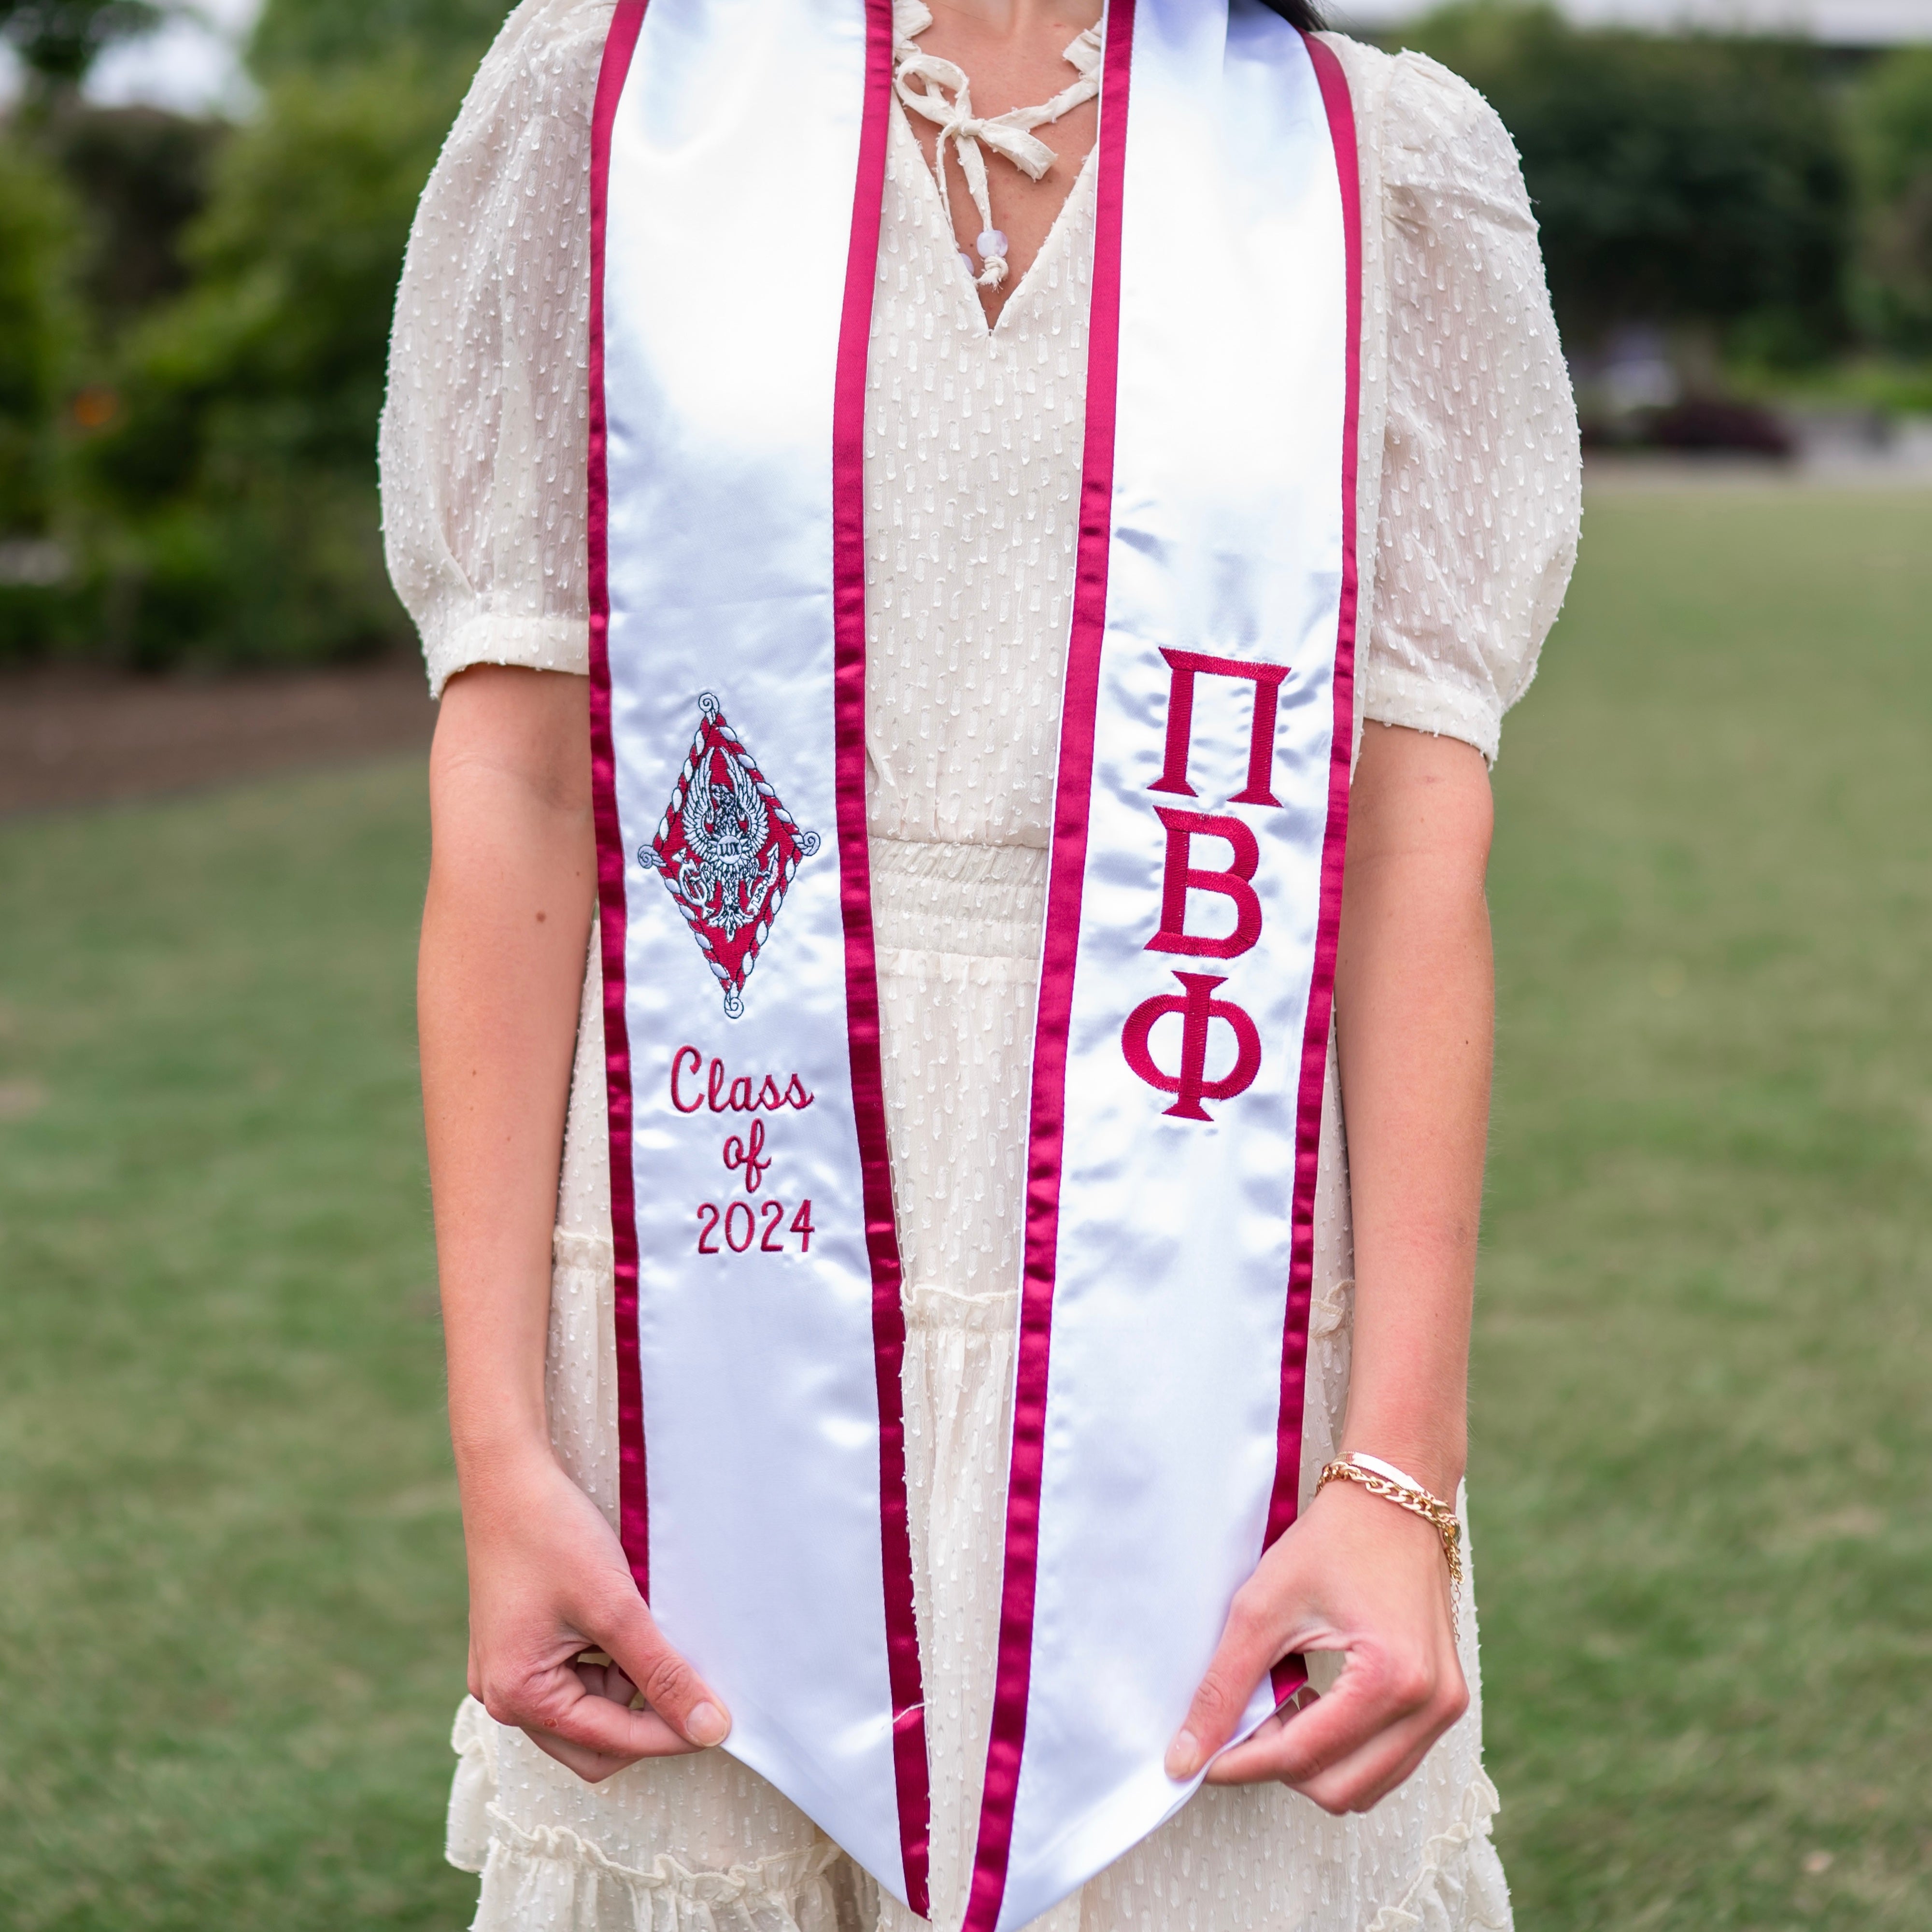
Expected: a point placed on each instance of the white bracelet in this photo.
(1376, 1466)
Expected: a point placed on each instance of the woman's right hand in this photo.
(547, 1581)
(513, 876)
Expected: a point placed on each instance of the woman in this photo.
(1368, 1806)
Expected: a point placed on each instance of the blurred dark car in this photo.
(1712, 423)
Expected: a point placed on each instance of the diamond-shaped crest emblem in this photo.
(728, 851)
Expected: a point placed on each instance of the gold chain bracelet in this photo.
(1409, 1494)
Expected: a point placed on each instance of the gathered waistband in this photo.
(986, 901)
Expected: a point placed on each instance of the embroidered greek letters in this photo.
(1180, 876)
(1195, 1005)
(1198, 1009)
(1183, 666)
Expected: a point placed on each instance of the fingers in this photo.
(561, 1642)
(677, 1696)
(580, 1714)
(602, 1679)
(1351, 1575)
(553, 1705)
(1356, 1783)
(1249, 1644)
(593, 1767)
(1355, 1745)
(574, 1716)
(1361, 1782)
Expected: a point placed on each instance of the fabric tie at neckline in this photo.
(1010, 134)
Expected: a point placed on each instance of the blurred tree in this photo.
(240, 477)
(1677, 179)
(297, 36)
(36, 221)
(234, 493)
(58, 40)
(141, 176)
(1891, 125)
(36, 318)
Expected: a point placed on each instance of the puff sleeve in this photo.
(485, 432)
(1481, 472)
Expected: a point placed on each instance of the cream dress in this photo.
(1469, 478)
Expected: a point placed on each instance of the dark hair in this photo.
(1302, 13)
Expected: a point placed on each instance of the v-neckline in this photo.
(938, 212)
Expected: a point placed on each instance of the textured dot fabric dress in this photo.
(1469, 478)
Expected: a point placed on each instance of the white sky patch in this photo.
(193, 64)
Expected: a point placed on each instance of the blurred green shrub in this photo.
(140, 176)
(37, 224)
(215, 479)
(302, 36)
(194, 328)
(193, 320)
(1677, 179)
(1891, 140)
(237, 489)
(37, 318)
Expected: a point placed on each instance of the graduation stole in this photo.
(1190, 942)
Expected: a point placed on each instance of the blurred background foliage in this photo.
(60, 40)
(193, 320)
(193, 314)
(1892, 151)
(1677, 180)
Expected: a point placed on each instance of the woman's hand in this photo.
(1414, 1006)
(505, 925)
(548, 1580)
(1356, 1574)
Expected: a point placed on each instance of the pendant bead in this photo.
(992, 245)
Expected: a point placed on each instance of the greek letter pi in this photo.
(1195, 1004)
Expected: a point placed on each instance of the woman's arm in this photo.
(1415, 999)
(1415, 1011)
(505, 929)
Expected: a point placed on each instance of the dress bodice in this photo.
(973, 441)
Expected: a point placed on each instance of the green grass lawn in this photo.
(230, 1625)
(1702, 1479)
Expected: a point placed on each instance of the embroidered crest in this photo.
(728, 851)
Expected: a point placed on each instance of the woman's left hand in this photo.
(1357, 1574)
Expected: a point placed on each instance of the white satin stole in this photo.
(1188, 963)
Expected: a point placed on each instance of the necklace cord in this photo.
(1010, 134)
